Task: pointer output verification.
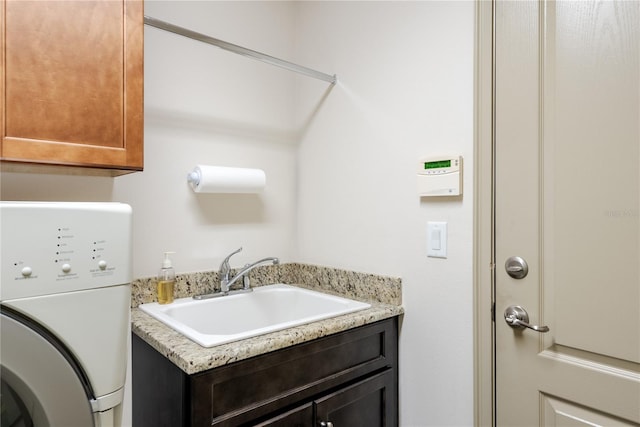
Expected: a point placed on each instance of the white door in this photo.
(567, 161)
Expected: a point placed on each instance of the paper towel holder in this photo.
(224, 179)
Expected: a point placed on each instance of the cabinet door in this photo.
(298, 417)
(368, 403)
(72, 82)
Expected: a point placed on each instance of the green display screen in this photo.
(437, 165)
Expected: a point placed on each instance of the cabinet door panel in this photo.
(367, 403)
(298, 417)
(62, 68)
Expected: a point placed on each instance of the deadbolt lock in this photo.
(516, 267)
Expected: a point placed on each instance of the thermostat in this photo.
(440, 176)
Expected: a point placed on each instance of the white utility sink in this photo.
(269, 308)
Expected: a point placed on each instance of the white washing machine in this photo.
(65, 298)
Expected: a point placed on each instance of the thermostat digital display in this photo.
(440, 176)
(437, 164)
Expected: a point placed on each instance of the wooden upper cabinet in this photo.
(72, 83)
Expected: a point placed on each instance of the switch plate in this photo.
(437, 239)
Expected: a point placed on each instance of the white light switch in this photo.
(437, 239)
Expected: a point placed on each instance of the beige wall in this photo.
(405, 90)
(340, 162)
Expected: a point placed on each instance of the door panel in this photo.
(567, 414)
(567, 144)
(591, 66)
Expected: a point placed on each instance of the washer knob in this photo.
(102, 264)
(66, 268)
(26, 271)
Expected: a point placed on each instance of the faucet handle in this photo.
(225, 267)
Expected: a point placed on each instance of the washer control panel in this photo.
(49, 248)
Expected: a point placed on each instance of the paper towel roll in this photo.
(220, 179)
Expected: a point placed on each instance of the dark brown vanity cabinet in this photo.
(347, 379)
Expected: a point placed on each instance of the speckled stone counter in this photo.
(383, 293)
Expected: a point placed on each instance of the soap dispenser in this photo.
(166, 280)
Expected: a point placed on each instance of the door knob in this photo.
(516, 267)
(326, 424)
(518, 318)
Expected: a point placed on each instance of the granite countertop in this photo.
(383, 293)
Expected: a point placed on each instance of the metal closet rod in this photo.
(239, 49)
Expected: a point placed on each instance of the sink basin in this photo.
(269, 308)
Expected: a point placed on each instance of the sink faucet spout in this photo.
(226, 282)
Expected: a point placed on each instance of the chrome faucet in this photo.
(226, 281)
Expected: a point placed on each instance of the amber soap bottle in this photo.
(166, 280)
